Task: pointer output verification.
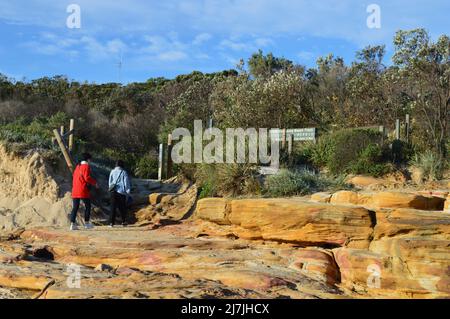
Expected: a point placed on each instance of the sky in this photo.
(151, 38)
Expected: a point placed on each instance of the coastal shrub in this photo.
(431, 164)
(356, 151)
(300, 182)
(147, 167)
(223, 180)
(371, 162)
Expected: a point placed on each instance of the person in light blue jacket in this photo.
(120, 188)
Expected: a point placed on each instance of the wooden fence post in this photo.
(407, 127)
(382, 130)
(169, 156)
(64, 150)
(71, 135)
(290, 144)
(161, 162)
(397, 129)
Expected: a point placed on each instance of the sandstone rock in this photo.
(388, 200)
(345, 198)
(400, 267)
(364, 181)
(318, 263)
(321, 197)
(406, 200)
(216, 210)
(434, 193)
(171, 263)
(411, 247)
(174, 207)
(412, 223)
(305, 223)
(447, 205)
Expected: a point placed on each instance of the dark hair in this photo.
(86, 157)
(120, 164)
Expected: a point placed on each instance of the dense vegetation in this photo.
(266, 92)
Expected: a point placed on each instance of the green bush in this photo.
(431, 164)
(302, 154)
(147, 167)
(222, 180)
(207, 190)
(301, 182)
(370, 161)
(357, 151)
(322, 151)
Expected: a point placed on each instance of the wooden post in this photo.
(283, 139)
(397, 130)
(382, 130)
(71, 136)
(290, 144)
(407, 127)
(169, 156)
(161, 162)
(64, 150)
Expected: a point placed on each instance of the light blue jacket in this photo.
(120, 178)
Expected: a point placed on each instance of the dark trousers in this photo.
(118, 201)
(76, 206)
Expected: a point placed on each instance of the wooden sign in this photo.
(298, 135)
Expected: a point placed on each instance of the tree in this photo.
(424, 67)
(264, 66)
(326, 90)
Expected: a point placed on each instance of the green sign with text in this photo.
(299, 135)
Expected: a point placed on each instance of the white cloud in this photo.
(202, 56)
(202, 38)
(343, 19)
(172, 56)
(98, 51)
(165, 48)
(236, 46)
(263, 42)
(251, 45)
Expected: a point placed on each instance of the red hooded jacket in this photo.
(81, 179)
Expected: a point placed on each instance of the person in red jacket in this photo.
(80, 191)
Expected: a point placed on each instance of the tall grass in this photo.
(300, 182)
(431, 164)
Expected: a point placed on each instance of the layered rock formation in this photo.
(290, 220)
(176, 261)
(385, 252)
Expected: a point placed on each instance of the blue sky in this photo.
(171, 37)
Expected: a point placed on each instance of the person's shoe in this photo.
(73, 226)
(88, 226)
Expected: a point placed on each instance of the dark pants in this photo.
(118, 201)
(76, 206)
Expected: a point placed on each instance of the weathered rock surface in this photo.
(408, 254)
(247, 248)
(365, 181)
(169, 206)
(388, 200)
(321, 197)
(447, 205)
(171, 262)
(291, 220)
